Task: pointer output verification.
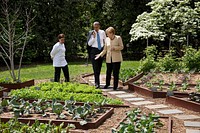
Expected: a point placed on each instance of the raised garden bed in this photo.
(136, 122)
(187, 82)
(183, 101)
(87, 75)
(148, 92)
(14, 125)
(83, 117)
(89, 125)
(11, 86)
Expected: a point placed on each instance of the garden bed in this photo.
(64, 91)
(187, 82)
(148, 92)
(11, 86)
(134, 121)
(82, 116)
(90, 125)
(183, 101)
(167, 122)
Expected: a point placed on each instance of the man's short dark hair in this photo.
(96, 23)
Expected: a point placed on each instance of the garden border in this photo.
(18, 85)
(89, 125)
(178, 101)
(148, 92)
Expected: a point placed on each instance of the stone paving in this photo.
(157, 106)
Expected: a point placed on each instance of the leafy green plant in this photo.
(198, 86)
(148, 63)
(161, 83)
(51, 91)
(67, 87)
(84, 113)
(172, 86)
(127, 73)
(169, 62)
(191, 59)
(5, 80)
(40, 106)
(57, 108)
(14, 126)
(184, 86)
(149, 84)
(136, 123)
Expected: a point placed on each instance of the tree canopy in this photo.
(169, 18)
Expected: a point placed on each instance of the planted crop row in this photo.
(14, 126)
(137, 123)
(66, 87)
(32, 93)
(69, 110)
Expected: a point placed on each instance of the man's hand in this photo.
(94, 34)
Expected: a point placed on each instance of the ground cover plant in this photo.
(64, 91)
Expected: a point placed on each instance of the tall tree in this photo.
(14, 35)
(173, 20)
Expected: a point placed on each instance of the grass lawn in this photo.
(46, 71)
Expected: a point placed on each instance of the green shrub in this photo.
(169, 62)
(148, 63)
(127, 73)
(191, 59)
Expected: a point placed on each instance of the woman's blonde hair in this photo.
(110, 30)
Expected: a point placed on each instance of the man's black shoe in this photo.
(97, 86)
(105, 87)
(114, 89)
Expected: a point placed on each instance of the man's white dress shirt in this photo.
(93, 41)
(58, 55)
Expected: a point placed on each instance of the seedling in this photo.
(149, 85)
(172, 86)
(184, 86)
(161, 83)
(198, 87)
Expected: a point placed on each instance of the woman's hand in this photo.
(112, 48)
(97, 56)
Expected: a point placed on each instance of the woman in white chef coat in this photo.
(59, 61)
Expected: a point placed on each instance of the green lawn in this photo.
(46, 71)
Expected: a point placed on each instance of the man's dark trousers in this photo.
(96, 64)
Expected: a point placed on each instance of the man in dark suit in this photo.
(96, 41)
